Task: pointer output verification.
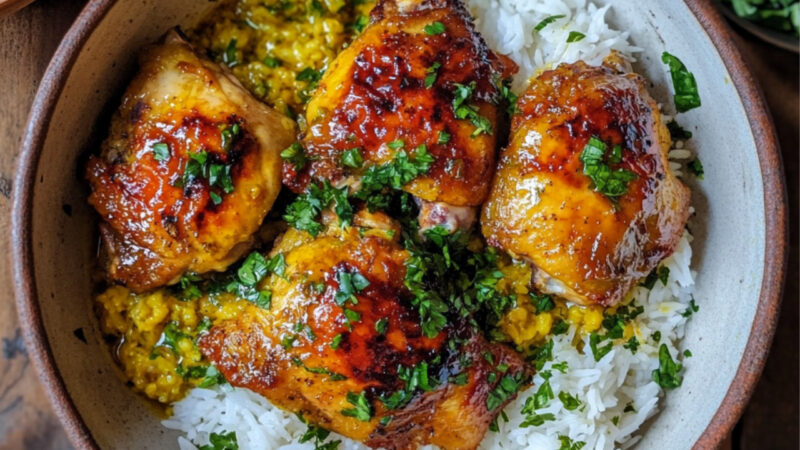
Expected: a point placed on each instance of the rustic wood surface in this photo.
(27, 41)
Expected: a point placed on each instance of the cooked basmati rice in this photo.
(617, 393)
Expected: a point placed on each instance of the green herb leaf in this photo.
(296, 155)
(605, 180)
(463, 110)
(272, 62)
(677, 132)
(600, 352)
(350, 283)
(569, 401)
(352, 158)
(434, 28)
(231, 56)
(221, 441)
(575, 36)
(542, 302)
(336, 341)
(360, 23)
(432, 73)
(569, 444)
(686, 95)
(444, 138)
(696, 167)
(632, 344)
(381, 325)
(161, 151)
(668, 373)
(362, 409)
(547, 21)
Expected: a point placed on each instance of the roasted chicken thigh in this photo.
(341, 345)
(419, 81)
(189, 170)
(584, 190)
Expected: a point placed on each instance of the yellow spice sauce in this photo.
(277, 48)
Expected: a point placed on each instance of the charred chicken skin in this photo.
(341, 345)
(190, 169)
(584, 191)
(418, 80)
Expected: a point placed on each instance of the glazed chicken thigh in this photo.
(189, 170)
(584, 191)
(418, 82)
(341, 345)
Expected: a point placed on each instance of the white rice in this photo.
(605, 388)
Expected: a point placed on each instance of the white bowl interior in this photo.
(729, 226)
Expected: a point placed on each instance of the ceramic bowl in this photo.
(740, 225)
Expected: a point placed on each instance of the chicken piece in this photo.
(589, 240)
(188, 172)
(418, 78)
(331, 337)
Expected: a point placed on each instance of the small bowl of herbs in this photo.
(775, 21)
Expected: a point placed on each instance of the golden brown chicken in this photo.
(584, 191)
(189, 170)
(341, 345)
(418, 82)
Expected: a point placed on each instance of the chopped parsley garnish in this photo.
(228, 136)
(668, 373)
(336, 341)
(629, 408)
(561, 367)
(352, 158)
(656, 336)
(696, 167)
(351, 315)
(396, 144)
(508, 96)
(351, 282)
(231, 57)
(569, 401)
(677, 132)
(360, 23)
(504, 391)
(632, 344)
(416, 377)
(362, 409)
(535, 420)
(659, 273)
(542, 302)
(612, 183)
(160, 151)
(170, 337)
(569, 444)
(333, 376)
(547, 21)
(303, 211)
(393, 175)
(434, 28)
(309, 75)
(444, 137)
(598, 352)
(559, 327)
(221, 441)
(318, 435)
(575, 36)
(691, 309)
(296, 155)
(687, 353)
(686, 95)
(382, 325)
(254, 268)
(188, 289)
(432, 73)
(465, 110)
(272, 62)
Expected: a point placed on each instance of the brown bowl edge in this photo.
(775, 206)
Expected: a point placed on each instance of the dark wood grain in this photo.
(29, 38)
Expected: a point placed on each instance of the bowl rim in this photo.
(775, 206)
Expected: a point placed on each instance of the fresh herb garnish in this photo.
(318, 435)
(351, 282)
(659, 273)
(352, 158)
(416, 377)
(444, 137)
(656, 336)
(296, 155)
(547, 21)
(575, 36)
(542, 302)
(686, 95)
(569, 444)
(434, 28)
(691, 309)
(360, 23)
(382, 325)
(569, 401)
(231, 57)
(160, 151)
(465, 110)
(336, 341)
(221, 441)
(272, 62)
(432, 73)
(600, 352)
(632, 344)
(668, 373)
(612, 183)
(504, 391)
(303, 211)
(333, 376)
(677, 132)
(696, 167)
(392, 175)
(362, 409)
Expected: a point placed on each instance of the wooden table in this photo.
(29, 38)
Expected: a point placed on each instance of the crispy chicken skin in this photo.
(375, 93)
(155, 227)
(305, 376)
(584, 246)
